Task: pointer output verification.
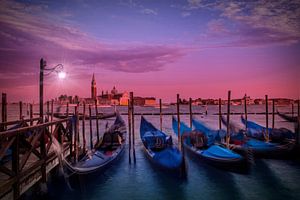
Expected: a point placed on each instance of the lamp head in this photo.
(62, 75)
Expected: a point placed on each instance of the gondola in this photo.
(240, 141)
(288, 118)
(159, 148)
(257, 131)
(109, 149)
(201, 144)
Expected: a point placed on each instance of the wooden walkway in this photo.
(27, 153)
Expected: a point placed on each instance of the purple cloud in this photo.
(25, 38)
(255, 23)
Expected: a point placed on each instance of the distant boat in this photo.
(100, 116)
(109, 148)
(159, 147)
(288, 118)
(201, 144)
(104, 106)
(163, 106)
(240, 141)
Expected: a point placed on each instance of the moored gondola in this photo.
(159, 148)
(201, 144)
(109, 149)
(240, 141)
(257, 131)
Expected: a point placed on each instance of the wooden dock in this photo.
(27, 153)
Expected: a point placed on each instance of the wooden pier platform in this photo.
(27, 153)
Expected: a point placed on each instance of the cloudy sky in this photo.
(197, 48)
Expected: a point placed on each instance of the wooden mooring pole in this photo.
(132, 118)
(298, 123)
(83, 127)
(129, 130)
(31, 114)
(191, 112)
(52, 110)
(16, 166)
(76, 143)
(48, 110)
(97, 121)
(273, 113)
(246, 113)
(67, 110)
(91, 127)
(160, 114)
(178, 122)
(4, 111)
(267, 119)
(228, 119)
(21, 110)
(183, 171)
(220, 114)
(292, 109)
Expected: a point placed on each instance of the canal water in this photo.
(267, 179)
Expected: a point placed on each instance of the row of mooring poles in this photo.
(21, 117)
(266, 134)
(76, 151)
(131, 131)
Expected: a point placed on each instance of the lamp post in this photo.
(58, 69)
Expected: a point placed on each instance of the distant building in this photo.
(138, 101)
(124, 99)
(258, 101)
(150, 101)
(93, 88)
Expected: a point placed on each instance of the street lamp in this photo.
(61, 74)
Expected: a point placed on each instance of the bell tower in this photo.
(93, 88)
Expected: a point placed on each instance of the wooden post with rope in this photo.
(132, 118)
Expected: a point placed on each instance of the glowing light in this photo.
(62, 75)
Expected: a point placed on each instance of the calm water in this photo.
(268, 179)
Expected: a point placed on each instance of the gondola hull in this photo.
(168, 158)
(235, 165)
(215, 155)
(279, 151)
(109, 150)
